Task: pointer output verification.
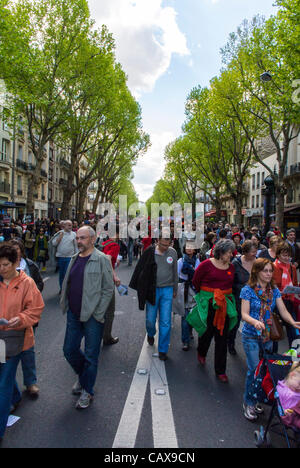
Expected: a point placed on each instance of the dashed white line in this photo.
(164, 434)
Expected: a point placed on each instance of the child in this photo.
(289, 394)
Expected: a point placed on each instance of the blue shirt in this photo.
(248, 294)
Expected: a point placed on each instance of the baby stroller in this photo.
(272, 369)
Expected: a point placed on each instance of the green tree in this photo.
(258, 47)
(40, 41)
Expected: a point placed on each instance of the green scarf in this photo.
(197, 317)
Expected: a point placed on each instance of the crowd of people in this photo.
(236, 275)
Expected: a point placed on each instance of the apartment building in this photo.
(253, 207)
(16, 163)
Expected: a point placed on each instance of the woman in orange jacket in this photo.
(285, 274)
(21, 306)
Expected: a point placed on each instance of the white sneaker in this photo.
(84, 401)
(77, 388)
(249, 412)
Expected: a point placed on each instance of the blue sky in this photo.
(167, 47)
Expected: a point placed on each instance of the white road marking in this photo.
(46, 279)
(130, 419)
(164, 434)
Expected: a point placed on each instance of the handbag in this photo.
(276, 330)
(14, 342)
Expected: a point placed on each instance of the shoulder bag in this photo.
(276, 330)
(14, 342)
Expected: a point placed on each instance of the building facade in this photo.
(17, 162)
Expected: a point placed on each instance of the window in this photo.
(253, 201)
(257, 201)
(20, 153)
(262, 178)
(258, 180)
(253, 182)
(4, 156)
(19, 185)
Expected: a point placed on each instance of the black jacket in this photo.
(144, 276)
(241, 278)
(35, 274)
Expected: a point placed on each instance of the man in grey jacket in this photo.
(65, 243)
(86, 293)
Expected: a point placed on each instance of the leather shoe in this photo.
(33, 390)
(163, 356)
(111, 341)
(223, 378)
(150, 340)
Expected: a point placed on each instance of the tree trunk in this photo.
(239, 206)
(96, 201)
(82, 196)
(33, 184)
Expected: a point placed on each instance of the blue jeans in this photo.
(164, 300)
(253, 346)
(186, 328)
(84, 364)
(9, 390)
(63, 263)
(29, 366)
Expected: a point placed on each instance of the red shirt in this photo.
(147, 241)
(111, 248)
(212, 277)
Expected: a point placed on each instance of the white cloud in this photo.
(146, 34)
(150, 168)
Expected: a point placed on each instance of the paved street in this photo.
(200, 412)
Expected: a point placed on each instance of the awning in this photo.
(210, 213)
(7, 204)
(291, 208)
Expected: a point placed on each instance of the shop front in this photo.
(40, 210)
(254, 217)
(7, 211)
(292, 219)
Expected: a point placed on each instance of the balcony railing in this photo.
(22, 165)
(4, 158)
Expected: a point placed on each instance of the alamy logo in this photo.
(168, 221)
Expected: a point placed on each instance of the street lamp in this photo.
(268, 191)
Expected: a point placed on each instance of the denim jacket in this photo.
(98, 287)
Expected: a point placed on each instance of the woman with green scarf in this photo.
(215, 314)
